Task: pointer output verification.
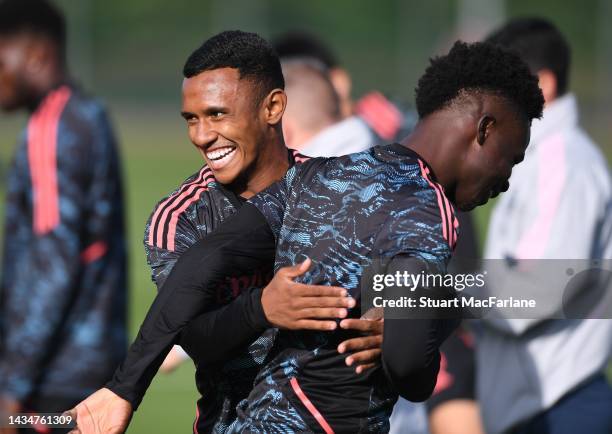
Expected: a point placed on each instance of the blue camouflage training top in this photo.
(342, 213)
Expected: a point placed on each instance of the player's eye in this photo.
(190, 118)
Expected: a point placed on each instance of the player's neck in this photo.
(434, 142)
(271, 165)
(45, 83)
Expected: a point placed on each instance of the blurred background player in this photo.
(388, 121)
(303, 46)
(312, 123)
(547, 376)
(63, 287)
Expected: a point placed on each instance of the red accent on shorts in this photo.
(445, 378)
(310, 406)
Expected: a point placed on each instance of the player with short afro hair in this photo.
(479, 68)
(249, 53)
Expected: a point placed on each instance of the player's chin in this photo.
(225, 176)
(228, 173)
(470, 205)
(465, 207)
(9, 105)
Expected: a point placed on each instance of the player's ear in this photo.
(274, 105)
(485, 124)
(547, 80)
(341, 80)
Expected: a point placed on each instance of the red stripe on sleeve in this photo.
(447, 210)
(440, 205)
(42, 158)
(176, 214)
(168, 203)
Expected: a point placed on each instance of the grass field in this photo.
(157, 156)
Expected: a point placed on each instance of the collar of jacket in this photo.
(559, 114)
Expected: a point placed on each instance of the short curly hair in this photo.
(479, 67)
(249, 53)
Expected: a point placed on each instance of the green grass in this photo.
(157, 157)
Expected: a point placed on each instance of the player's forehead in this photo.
(13, 55)
(13, 43)
(215, 87)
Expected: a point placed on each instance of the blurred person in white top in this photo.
(312, 123)
(547, 376)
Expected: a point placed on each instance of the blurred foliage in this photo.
(132, 53)
(138, 47)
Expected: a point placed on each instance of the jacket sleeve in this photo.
(190, 227)
(242, 245)
(232, 327)
(412, 340)
(412, 337)
(227, 329)
(161, 257)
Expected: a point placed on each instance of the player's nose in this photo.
(204, 136)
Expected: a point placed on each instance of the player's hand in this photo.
(102, 412)
(8, 406)
(366, 350)
(292, 305)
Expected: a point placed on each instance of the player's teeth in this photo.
(220, 153)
